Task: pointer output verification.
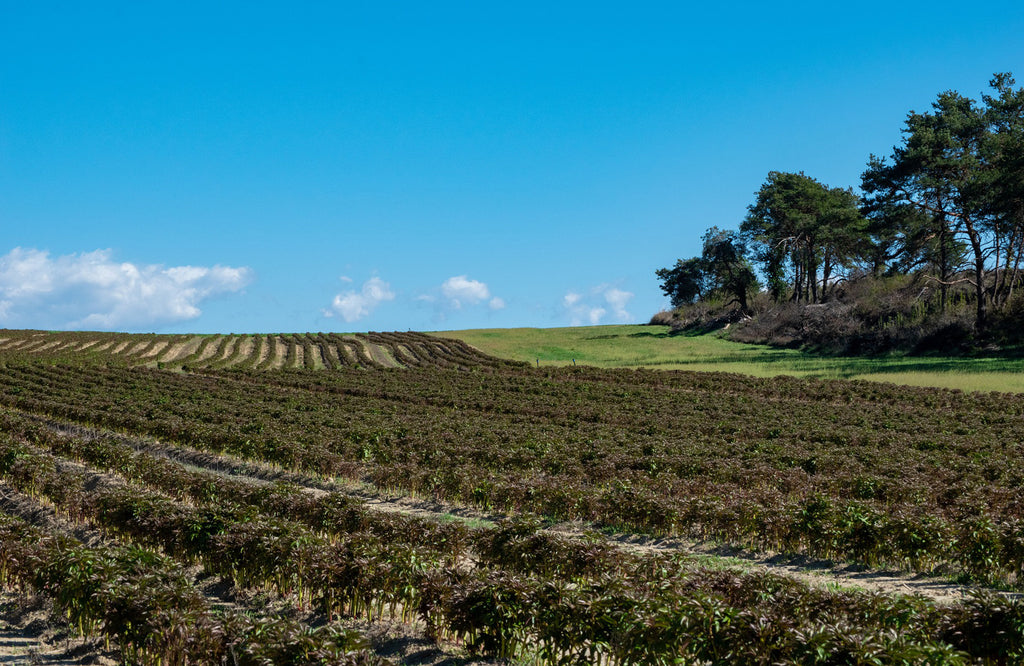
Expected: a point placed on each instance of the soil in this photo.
(156, 350)
(264, 350)
(230, 348)
(246, 345)
(379, 355)
(136, 348)
(178, 350)
(30, 635)
(282, 353)
(102, 346)
(209, 352)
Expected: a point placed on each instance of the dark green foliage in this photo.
(721, 270)
(877, 474)
(684, 283)
(947, 206)
(807, 231)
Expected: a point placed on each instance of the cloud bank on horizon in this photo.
(92, 291)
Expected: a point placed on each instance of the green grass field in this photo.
(655, 347)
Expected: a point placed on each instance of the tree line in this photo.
(947, 203)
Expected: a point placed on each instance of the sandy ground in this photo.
(70, 345)
(210, 351)
(179, 350)
(157, 349)
(282, 353)
(30, 635)
(379, 355)
(247, 345)
(264, 351)
(102, 346)
(347, 354)
(30, 345)
(229, 349)
(137, 347)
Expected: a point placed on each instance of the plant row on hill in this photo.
(920, 479)
(312, 351)
(647, 610)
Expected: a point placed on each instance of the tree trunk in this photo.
(981, 317)
(943, 267)
(812, 274)
(826, 272)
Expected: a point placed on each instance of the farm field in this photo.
(425, 503)
(654, 347)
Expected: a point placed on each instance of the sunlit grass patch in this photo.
(657, 348)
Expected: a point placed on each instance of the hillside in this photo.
(434, 515)
(313, 351)
(666, 348)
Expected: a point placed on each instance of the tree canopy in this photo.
(947, 204)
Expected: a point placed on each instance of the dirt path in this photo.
(28, 636)
(812, 572)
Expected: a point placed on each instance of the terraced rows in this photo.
(507, 592)
(313, 351)
(925, 481)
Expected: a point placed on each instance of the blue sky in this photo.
(259, 167)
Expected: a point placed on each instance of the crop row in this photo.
(649, 610)
(211, 352)
(144, 602)
(921, 479)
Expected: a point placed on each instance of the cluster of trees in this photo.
(948, 202)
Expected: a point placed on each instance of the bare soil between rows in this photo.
(811, 571)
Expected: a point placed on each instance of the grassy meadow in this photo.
(639, 346)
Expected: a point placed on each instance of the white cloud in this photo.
(355, 305)
(461, 290)
(92, 291)
(591, 309)
(618, 299)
